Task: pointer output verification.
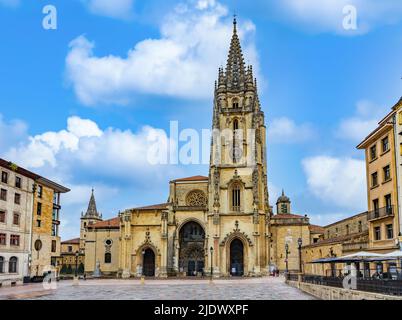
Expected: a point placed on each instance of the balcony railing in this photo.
(381, 213)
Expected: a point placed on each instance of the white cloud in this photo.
(121, 9)
(328, 16)
(339, 181)
(285, 130)
(84, 147)
(183, 62)
(366, 119)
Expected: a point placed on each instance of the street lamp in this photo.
(212, 251)
(300, 242)
(76, 263)
(287, 255)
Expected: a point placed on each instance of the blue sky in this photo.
(78, 103)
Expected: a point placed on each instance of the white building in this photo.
(16, 207)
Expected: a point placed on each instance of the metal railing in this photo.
(381, 213)
(387, 286)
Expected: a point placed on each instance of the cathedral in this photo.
(221, 224)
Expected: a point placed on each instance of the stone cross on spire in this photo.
(235, 68)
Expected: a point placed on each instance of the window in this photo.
(3, 239)
(3, 194)
(347, 229)
(38, 223)
(390, 231)
(2, 217)
(12, 265)
(374, 179)
(38, 245)
(400, 118)
(55, 214)
(17, 182)
(17, 198)
(373, 152)
(54, 244)
(56, 198)
(54, 230)
(377, 233)
(360, 227)
(284, 208)
(40, 191)
(1, 264)
(16, 219)
(14, 240)
(388, 203)
(235, 103)
(236, 197)
(385, 144)
(108, 257)
(4, 177)
(376, 208)
(387, 173)
(70, 248)
(39, 209)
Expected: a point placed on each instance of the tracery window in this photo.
(196, 198)
(236, 197)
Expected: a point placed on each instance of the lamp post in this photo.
(76, 263)
(212, 251)
(300, 242)
(287, 255)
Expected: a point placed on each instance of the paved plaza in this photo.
(266, 288)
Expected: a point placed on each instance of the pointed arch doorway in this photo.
(149, 263)
(236, 258)
(192, 253)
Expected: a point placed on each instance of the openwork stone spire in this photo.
(235, 69)
(92, 211)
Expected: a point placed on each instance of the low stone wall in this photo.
(332, 293)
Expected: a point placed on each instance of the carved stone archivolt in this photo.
(196, 198)
(236, 233)
(147, 243)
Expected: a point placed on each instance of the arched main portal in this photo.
(236, 258)
(149, 263)
(192, 253)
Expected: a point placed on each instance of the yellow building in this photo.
(45, 226)
(382, 184)
(220, 224)
(71, 256)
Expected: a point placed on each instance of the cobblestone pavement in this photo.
(266, 288)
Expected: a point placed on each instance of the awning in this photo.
(355, 257)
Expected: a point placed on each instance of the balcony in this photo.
(381, 213)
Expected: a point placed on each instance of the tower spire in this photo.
(235, 68)
(92, 210)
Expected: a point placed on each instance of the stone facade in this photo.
(27, 248)
(45, 226)
(221, 224)
(15, 222)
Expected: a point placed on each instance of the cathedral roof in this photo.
(287, 216)
(193, 178)
(316, 229)
(161, 206)
(113, 223)
(71, 241)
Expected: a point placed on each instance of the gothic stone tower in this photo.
(239, 211)
(92, 216)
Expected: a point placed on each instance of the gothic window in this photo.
(235, 104)
(12, 265)
(1, 264)
(236, 197)
(236, 150)
(235, 124)
(196, 198)
(108, 257)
